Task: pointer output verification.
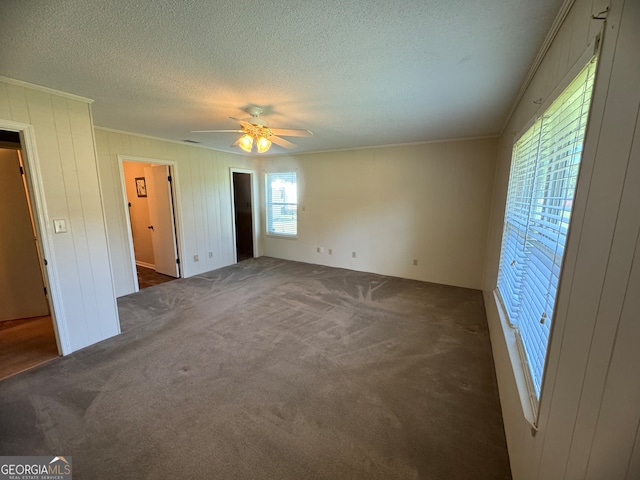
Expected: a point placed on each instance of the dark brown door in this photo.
(243, 215)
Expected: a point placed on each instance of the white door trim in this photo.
(254, 210)
(43, 230)
(177, 218)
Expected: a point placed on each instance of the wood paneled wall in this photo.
(68, 188)
(203, 183)
(590, 406)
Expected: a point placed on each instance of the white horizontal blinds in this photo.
(561, 140)
(517, 219)
(282, 203)
(531, 261)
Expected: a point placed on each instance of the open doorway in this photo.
(27, 335)
(243, 214)
(152, 219)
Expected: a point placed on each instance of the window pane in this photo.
(542, 184)
(282, 203)
(517, 218)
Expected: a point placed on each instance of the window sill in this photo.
(527, 397)
(277, 235)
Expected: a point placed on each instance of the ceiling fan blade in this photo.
(291, 132)
(282, 142)
(216, 131)
(236, 143)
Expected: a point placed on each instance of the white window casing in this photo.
(542, 182)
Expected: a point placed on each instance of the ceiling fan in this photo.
(256, 133)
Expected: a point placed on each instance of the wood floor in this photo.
(148, 277)
(26, 343)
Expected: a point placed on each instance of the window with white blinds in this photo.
(542, 182)
(282, 204)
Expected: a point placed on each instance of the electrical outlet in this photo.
(415, 262)
(330, 252)
(195, 258)
(210, 254)
(353, 254)
(317, 249)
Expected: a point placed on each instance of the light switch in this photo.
(60, 225)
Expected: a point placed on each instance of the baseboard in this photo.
(145, 265)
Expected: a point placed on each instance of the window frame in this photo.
(541, 161)
(269, 203)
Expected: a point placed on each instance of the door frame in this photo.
(254, 209)
(44, 234)
(177, 210)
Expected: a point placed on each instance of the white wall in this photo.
(391, 205)
(590, 407)
(63, 152)
(203, 186)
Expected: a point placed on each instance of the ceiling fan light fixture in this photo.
(263, 144)
(256, 135)
(246, 142)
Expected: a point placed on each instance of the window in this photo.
(282, 204)
(542, 182)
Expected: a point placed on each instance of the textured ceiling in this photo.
(355, 72)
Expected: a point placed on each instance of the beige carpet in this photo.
(273, 370)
